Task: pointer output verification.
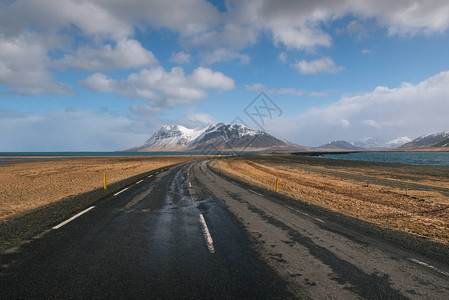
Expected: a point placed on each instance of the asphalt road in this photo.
(188, 233)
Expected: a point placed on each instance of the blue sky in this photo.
(104, 75)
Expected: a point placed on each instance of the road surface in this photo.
(186, 232)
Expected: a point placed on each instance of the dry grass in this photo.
(422, 212)
(27, 185)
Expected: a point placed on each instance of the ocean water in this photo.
(410, 158)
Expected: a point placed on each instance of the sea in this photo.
(410, 158)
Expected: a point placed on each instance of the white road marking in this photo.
(73, 218)
(139, 181)
(207, 236)
(150, 176)
(429, 266)
(255, 192)
(298, 211)
(120, 191)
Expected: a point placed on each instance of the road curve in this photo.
(187, 232)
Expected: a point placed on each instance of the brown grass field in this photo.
(27, 185)
(414, 199)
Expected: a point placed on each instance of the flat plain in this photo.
(28, 185)
(413, 199)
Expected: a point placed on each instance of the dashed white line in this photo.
(73, 218)
(429, 266)
(139, 181)
(255, 192)
(120, 191)
(318, 220)
(207, 236)
(150, 176)
(298, 211)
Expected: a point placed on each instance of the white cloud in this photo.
(23, 68)
(125, 54)
(300, 37)
(318, 94)
(69, 130)
(409, 110)
(180, 57)
(280, 91)
(324, 65)
(193, 119)
(57, 26)
(165, 89)
(223, 54)
(366, 51)
(283, 91)
(255, 87)
(282, 57)
(206, 78)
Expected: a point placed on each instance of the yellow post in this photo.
(277, 185)
(105, 184)
(168, 163)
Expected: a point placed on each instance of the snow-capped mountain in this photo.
(220, 137)
(429, 140)
(375, 144)
(171, 138)
(339, 145)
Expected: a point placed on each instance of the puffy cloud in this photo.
(180, 57)
(165, 89)
(386, 113)
(206, 78)
(23, 68)
(125, 54)
(324, 65)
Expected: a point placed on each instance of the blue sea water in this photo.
(411, 158)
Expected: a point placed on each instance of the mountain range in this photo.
(237, 137)
(430, 140)
(215, 137)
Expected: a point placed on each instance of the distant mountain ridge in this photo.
(375, 144)
(215, 137)
(339, 145)
(431, 140)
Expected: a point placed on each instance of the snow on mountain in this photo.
(171, 138)
(339, 145)
(375, 144)
(398, 142)
(218, 136)
(428, 140)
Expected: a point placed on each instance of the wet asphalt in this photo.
(147, 242)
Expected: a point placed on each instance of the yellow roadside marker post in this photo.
(168, 163)
(105, 183)
(277, 185)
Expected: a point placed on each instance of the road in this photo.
(186, 232)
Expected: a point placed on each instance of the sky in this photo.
(104, 75)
